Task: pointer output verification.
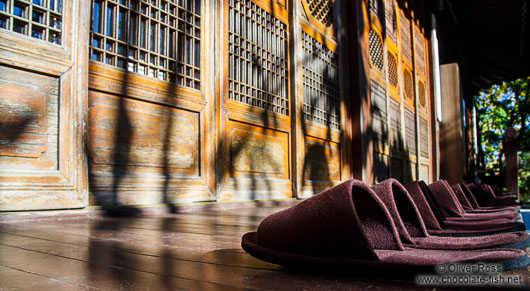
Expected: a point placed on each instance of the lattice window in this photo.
(421, 94)
(157, 38)
(391, 20)
(395, 125)
(410, 132)
(419, 45)
(258, 68)
(424, 138)
(376, 50)
(379, 113)
(406, 40)
(321, 96)
(322, 10)
(408, 86)
(40, 19)
(374, 6)
(392, 70)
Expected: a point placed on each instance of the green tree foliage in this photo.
(499, 107)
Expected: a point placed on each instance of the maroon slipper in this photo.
(463, 195)
(476, 205)
(452, 209)
(485, 198)
(437, 225)
(413, 232)
(348, 225)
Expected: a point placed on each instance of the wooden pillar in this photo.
(451, 132)
(512, 162)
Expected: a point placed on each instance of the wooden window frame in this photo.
(332, 46)
(328, 30)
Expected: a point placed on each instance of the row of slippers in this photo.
(390, 226)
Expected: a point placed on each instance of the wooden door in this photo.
(409, 97)
(424, 116)
(43, 66)
(399, 87)
(254, 113)
(320, 123)
(395, 101)
(150, 137)
(379, 92)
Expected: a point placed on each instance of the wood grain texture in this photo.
(142, 153)
(136, 134)
(322, 160)
(256, 150)
(183, 251)
(28, 115)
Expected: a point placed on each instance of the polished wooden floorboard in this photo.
(182, 251)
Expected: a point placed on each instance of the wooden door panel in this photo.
(410, 172)
(145, 153)
(255, 109)
(258, 151)
(42, 106)
(133, 133)
(321, 124)
(321, 167)
(425, 174)
(28, 126)
(396, 168)
(150, 108)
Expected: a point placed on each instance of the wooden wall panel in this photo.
(380, 167)
(136, 146)
(28, 126)
(396, 168)
(321, 167)
(410, 172)
(258, 151)
(425, 173)
(258, 162)
(135, 133)
(322, 160)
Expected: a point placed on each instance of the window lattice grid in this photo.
(395, 125)
(258, 58)
(408, 86)
(379, 113)
(391, 20)
(410, 132)
(156, 38)
(374, 7)
(322, 10)
(392, 70)
(320, 76)
(41, 19)
(419, 45)
(422, 99)
(406, 40)
(376, 50)
(424, 138)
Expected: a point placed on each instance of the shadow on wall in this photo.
(390, 154)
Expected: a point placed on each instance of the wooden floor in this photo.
(183, 251)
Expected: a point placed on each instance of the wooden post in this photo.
(512, 162)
